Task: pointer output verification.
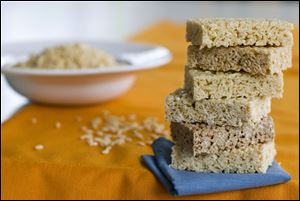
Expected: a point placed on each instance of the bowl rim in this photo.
(7, 69)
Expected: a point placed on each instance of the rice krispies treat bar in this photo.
(250, 159)
(230, 85)
(202, 139)
(216, 32)
(180, 107)
(253, 60)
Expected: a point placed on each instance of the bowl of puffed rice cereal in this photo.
(72, 73)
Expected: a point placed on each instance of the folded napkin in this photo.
(187, 182)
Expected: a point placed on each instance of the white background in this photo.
(117, 20)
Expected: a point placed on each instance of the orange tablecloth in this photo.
(68, 169)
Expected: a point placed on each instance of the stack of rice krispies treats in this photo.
(219, 119)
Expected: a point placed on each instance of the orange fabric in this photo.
(69, 169)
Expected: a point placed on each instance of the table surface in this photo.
(69, 169)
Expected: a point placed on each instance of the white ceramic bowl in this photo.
(82, 86)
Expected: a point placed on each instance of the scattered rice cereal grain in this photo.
(138, 135)
(99, 133)
(83, 128)
(149, 142)
(39, 147)
(92, 143)
(141, 143)
(154, 136)
(128, 139)
(58, 125)
(110, 130)
(86, 136)
(106, 150)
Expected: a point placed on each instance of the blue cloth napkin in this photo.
(187, 182)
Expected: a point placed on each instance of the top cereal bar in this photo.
(216, 32)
